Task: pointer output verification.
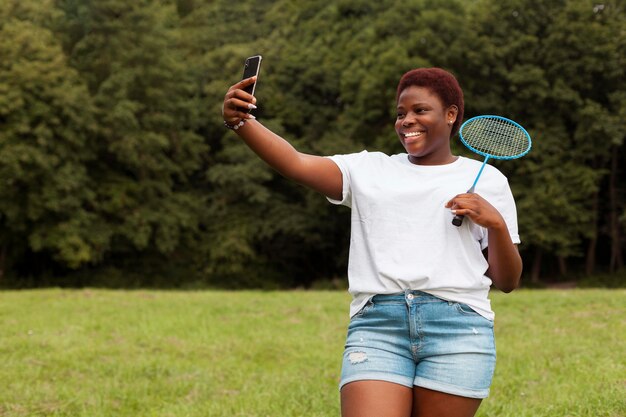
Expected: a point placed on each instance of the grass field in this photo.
(208, 353)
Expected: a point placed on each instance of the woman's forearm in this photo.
(316, 172)
(319, 173)
(505, 262)
(271, 148)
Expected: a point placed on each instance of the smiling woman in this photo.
(420, 340)
(424, 126)
(430, 109)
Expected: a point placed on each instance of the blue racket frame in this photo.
(458, 219)
(487, 155)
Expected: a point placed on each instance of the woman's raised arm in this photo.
(316, 172)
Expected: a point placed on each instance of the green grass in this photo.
(209, 353)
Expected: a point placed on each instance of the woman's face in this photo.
(424, 126)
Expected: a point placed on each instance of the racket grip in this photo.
(458, 220)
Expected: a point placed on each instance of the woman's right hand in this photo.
(237, 102)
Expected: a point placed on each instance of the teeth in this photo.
(412, 134)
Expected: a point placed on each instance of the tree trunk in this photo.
(617, 262)
(590, 261)
(562, 265)
(535, 275)
(3, 257)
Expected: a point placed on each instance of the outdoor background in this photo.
(128, 212)
(116, 170)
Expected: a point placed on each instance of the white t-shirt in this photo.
(401, 233)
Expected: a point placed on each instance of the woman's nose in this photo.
(408, 120)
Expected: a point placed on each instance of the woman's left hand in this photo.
(479, 210)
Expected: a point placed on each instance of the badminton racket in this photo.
(493, 137)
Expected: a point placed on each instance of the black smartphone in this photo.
(250, 69)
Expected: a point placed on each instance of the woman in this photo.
(420, 340)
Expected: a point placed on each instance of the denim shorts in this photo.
(417, 339)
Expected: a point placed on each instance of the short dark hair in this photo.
(440, 82)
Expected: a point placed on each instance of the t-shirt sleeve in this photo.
(346, 164)
(509, 212)
(506, 206)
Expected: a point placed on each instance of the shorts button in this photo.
(410, 296)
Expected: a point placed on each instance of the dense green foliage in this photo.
(113, 156)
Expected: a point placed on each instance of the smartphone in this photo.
(250, 69)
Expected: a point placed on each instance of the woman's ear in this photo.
(451, 114)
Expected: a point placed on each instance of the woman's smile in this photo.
(412, 137)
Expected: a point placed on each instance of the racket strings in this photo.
(496, 137)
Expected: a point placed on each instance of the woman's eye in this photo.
(400, 115)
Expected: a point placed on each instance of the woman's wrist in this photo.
(240, 123)
(235, 126)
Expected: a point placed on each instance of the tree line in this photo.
(115, 168)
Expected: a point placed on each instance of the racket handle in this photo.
(458, 220)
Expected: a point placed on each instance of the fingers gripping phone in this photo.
(250, 69)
